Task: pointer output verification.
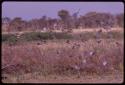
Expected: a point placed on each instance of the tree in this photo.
(63, 14)
(16, 24)
(34, 24)
(5, 23)
(120, 20)
(6, 20)
(75, 20)
(65, 17)
(94, 20)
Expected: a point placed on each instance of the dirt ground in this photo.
(30, 78)
(74, 30)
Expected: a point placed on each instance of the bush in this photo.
(9, 38)
(38, 36)
(35, 36)
(62, 35)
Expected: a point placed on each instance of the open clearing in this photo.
(38, 56)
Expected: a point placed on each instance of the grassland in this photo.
(52, 57)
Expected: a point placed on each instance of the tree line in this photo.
(65, 21)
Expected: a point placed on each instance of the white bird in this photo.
(104, 63)
(84, 61)
(76, 67)
(91, 53)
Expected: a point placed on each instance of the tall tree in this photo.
(120, 20)
(5, 23)
(16, 24)
(64, 15)
(6, 20)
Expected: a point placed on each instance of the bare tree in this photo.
(5, 23)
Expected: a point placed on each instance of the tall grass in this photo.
(60, 58)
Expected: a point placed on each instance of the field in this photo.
(57, 57)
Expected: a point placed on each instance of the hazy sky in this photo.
(29, 10)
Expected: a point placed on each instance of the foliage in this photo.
(63, 14)
(89, 20)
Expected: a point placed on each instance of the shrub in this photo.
(9, 38)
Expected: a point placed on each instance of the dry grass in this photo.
(59, 57)
(30, 55)
(96, 29)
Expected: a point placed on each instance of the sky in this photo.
(30, 10)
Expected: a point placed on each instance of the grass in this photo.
(56, 57)
(39, 36)
(31, 58)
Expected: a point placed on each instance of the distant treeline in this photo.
(65, 21)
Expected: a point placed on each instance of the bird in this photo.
(11, 44)
(84, 61)
(104, 63)
(77, 45)
(70, 56)
(117, 43)
(91, 53)
(76, 67)
(80, 35)
(83, 40)
(100, 31)
(58, 52)
(68, 41)
(38, 43)
(98, 41)
(44, 41)
(73, 47)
